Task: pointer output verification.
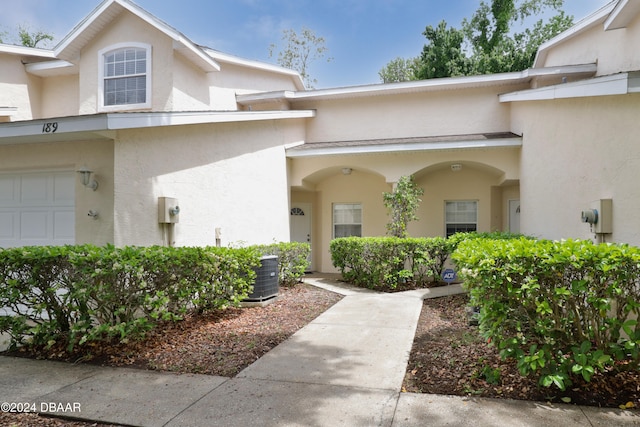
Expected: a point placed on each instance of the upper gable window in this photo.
(125, 78)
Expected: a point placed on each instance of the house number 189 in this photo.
(50, 127)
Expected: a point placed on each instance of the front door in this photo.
(300, 225)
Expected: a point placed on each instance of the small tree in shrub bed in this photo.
(559, 309)
(84, 293)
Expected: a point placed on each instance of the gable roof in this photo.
(614, 15)
(69, 48)
(421, 86)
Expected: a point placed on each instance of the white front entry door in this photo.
(37, 208)
(300, 225)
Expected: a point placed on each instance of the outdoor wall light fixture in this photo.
(456, 167)
(346, 171)
(85, 175)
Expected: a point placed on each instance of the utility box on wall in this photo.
(604, 225)
(168, 210)
(600, 216)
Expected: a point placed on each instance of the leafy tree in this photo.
(300, 51)
(486, 43)
(399, 70)
(444, 55)
(402, 204)
(25, 37)
(31, 39)
(488, 32)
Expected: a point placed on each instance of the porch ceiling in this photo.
(425, 143)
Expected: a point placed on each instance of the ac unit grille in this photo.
(266, 285)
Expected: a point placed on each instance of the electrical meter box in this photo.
(604, 225)
(168, 210)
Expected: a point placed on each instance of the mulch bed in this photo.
(450, 357)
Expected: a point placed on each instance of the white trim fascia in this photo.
(616, 84)
(441, 83)
(262, 66)
(293, 145)
(8, 111)
(142, 120)
(63, 125)
(624, 12)
(207, 63)
(82, 26)
(590, 21)
(26, 51)
(100, 123)
(389, 148)
(419, 85)
(46, 68)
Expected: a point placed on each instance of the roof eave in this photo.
(296, 152)
(98, 125)
(616, 84)
(420, 85)
(262, 66)
(51, 68)
(596, 18)
(26, 51)
(69, 46)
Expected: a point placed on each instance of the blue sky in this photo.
(361, 35)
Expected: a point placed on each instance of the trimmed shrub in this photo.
(85, 293)
(558, 308)
(293, 260)
(385, 262)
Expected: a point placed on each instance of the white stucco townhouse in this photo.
(247, 151)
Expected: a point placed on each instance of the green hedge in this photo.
(559, 308)
(292, 260)
(84, 293)
(376, 262)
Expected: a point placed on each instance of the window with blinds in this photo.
(347, 220)
(461, 216)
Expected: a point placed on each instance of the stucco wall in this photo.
(577, 151)
(70, 156)
(128, 28)
(610, 49)
(19, 89)
(359, 187)
(60, 96)
(228, 176)
(319, 180)
(190, 86)
(308, 170)
(444, 185)
(250, 80)
(434, 113)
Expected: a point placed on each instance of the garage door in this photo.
(37, 209)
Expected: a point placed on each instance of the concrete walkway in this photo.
(343, 369)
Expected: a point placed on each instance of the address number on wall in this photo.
(50, 127)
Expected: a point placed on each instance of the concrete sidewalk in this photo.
(343, 369)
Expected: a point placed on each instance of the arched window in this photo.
(297, 212)
(125, 77)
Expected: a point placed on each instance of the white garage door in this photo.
(37, 209)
